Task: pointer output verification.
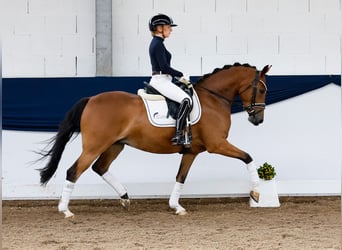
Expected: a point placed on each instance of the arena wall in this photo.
(295, 36)
(50, 38)
(301, 136)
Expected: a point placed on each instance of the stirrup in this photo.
(177, 140)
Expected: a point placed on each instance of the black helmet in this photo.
(160, 19)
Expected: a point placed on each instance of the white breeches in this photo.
(163, 83)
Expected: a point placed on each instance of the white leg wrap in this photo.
(65, 198)
(174, 198)
(253, 174)
(114, 183)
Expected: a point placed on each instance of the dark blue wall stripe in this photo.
(39, 104)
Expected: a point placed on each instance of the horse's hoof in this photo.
(179, 210)
(254, 195)
(68, 214)
(182, 212)
(125, 203)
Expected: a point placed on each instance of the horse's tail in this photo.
(68, 126)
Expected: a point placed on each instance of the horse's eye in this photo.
(262, 91)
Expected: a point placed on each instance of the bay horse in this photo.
(110, 120)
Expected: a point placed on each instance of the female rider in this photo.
(162, 73)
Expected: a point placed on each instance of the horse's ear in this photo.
(265, 70)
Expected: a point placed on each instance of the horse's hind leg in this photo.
(101, 167)
(73, 173)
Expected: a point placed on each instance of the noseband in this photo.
(251, 107)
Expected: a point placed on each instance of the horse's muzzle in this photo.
(256, 118)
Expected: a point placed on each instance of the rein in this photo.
(217, 95)
(250, 108)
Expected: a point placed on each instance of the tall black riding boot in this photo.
(183, 112)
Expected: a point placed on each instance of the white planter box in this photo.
(268, 195)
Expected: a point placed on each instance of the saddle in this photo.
(162, 111)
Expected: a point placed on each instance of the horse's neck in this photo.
(223, 83)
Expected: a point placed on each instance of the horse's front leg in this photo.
(184, 168)
(227, 149)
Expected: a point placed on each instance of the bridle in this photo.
(251, 107)
(259, 105)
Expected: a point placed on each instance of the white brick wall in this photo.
(295, 36)
(57, 37)
(48, 38)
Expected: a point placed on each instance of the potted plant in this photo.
(266, 172)
(268, 189)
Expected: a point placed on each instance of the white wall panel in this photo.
(215, 24)
(198, 45)
(58, 65)
(70, 44)
(326, 44)
(325, 6)
(24, 65)
(84, 7)
(281, 63)
(207, 28)
(144, 64)
(143, 20)
(210, 62)
(188, 25)
(199, 6)
(16, 6)
(189, 64)
(85, 24)
(263, 44)
(86, 65)
(126, 65)
(294, 44)
(162, 6)
(233, 43)
(21, 43)
(61, 24)
(293, 6)
(231, 6)
(132, 6)
(333, 63)
(48, 44)
(262, 6)
(245, 23)
(333, 22)
(28, 25)
(40, 30)
(174, 43)
(125, 23)
(294, 23)
(309, 64)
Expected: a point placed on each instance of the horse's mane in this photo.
(223, 68)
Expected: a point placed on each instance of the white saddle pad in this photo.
(157, 110)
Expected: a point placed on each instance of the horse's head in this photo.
(253, 96)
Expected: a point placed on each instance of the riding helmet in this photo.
(160, 19)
